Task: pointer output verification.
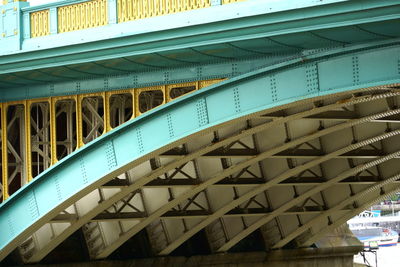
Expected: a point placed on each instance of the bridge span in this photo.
(144, 128)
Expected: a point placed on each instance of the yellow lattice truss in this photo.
(39, 131)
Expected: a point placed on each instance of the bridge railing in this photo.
(67, 16)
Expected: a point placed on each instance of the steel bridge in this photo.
(204, 126)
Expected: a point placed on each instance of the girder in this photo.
(314, 237)
(238, 167)
(269, 184)
(346, 202)
(102, 205)
(112, 203)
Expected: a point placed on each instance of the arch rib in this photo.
(332, 210)
(142, 181)
(315, 237)
(157, 214)
(281, 209)
(28, 201)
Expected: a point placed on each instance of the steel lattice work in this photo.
(286, 171)
(237, 125)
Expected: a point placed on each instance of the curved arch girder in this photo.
(313, 191)
(348, 201)
(163, 169)
(284, 207)
(93, 165)
(311, 239)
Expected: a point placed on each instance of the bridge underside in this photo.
(277, 156)
(276, 177)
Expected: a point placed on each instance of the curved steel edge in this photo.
(94, 164)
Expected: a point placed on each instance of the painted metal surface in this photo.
(133, 10)
(35, 142)
(81, 16)
(279, 29)
(40, 22)
(133, 142)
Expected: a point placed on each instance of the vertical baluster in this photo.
(73, 16)
(139, 6)
(151, 8)
(47, 24)
(128, 12)
(36, 26)
(105, 12)
(32, 19)
(60, 18)
(95, 15)
(87, 13)
(146, 8)
(68, 17)
(89, 18)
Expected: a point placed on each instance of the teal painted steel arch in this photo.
(323, 74)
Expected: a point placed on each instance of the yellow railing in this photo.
(40, 23)
(138, 9)
(94, 13)
(82, 16)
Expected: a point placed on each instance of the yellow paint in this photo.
(170, 87)
(94, 13)
(203, 84)
(161, 88)
(106, 103)
(28, 147)
(4, 156)
(53, 137)
(134, 92)
(40, 23)
(82, 16)
(138, 9)
(79, 130)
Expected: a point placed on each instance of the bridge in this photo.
(141, 128)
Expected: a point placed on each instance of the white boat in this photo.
(367, 229)
(373, 236)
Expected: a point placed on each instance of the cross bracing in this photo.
(294, 131)
(279, 170)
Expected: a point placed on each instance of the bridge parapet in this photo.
(20, 21)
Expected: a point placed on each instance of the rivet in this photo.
(4, 34)
(15, 32)
(15, 8)
(3, 11)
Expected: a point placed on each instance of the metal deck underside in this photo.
(296, 150)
